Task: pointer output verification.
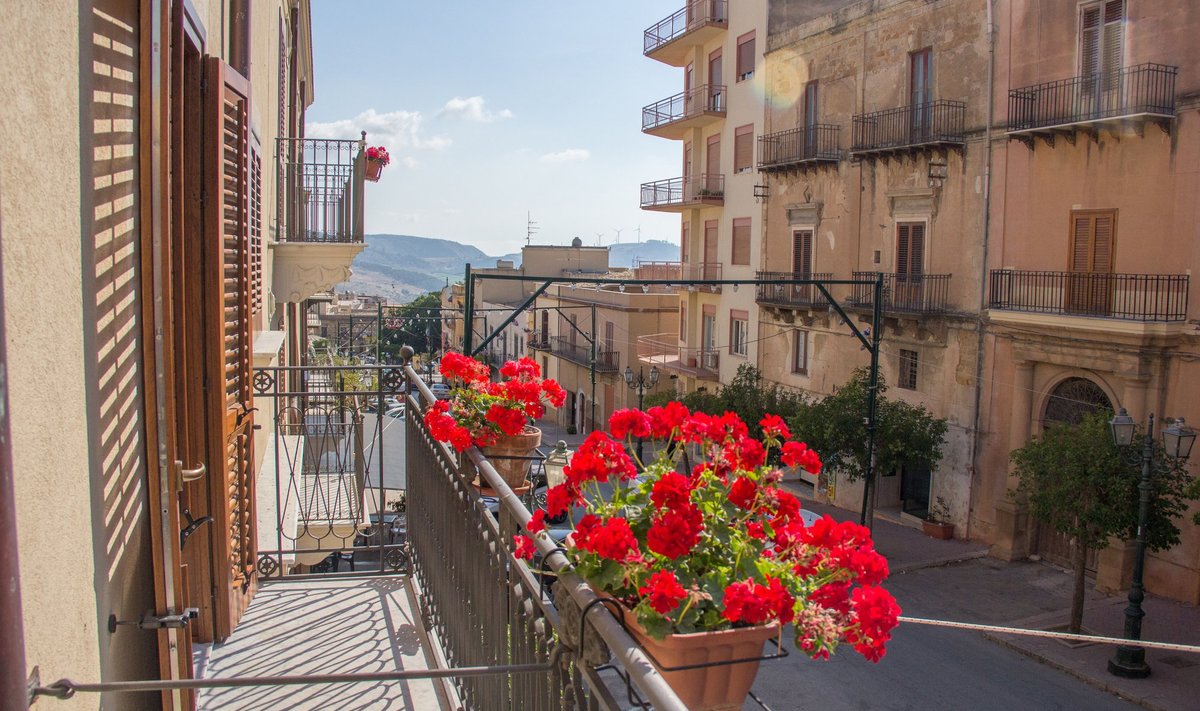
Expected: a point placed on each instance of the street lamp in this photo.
(1130, 660)
(429, 372)
(641, 383)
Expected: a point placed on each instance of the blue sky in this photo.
(493, 109)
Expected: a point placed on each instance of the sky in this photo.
(492, 110)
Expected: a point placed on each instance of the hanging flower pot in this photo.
(374, 170)
(510, 455)
(376, 158)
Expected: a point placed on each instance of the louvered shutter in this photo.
(741, 241)
(916, 249)
(1081, 245)
(256, 244)
(902, 238)
(1114, 43)
(1089, 41)
(1092, 239)
(802, 252)
(227, 238)
(1102, 260)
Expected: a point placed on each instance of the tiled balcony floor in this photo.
(334, 625)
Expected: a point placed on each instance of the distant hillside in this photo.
(402, 267)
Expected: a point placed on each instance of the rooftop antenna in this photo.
(618, 230)
(531, 228)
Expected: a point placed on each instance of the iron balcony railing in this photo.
(932, 123)
(684, 272)
(798, 146)
(663, 350)
(1128, 297)
(704, 99)
(905, 293)
(804, 295)
(539, 340)
(1138, 90)
(706, 188)
(320, 190)
(607, 359)
(694, 15)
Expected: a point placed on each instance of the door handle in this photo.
(191, 474)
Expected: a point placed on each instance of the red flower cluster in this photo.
(378, 154)
(663, 591)
(480, 410)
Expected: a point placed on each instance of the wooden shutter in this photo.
(714, 67)
(1114, 42)
(1102, 39)
(741, 241)
(743, 149)
(682, 321)
(910, 248)
(802, 252)
(227, 227)
(1089, 41)
(1093, 234)
(683, 243)
(256, 244)
(745, 56)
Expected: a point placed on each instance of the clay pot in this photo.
(374, 169)
(513, 470)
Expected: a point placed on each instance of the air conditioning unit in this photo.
(710, 360)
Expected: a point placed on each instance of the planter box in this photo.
(941, 531)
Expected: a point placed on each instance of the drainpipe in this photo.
(983, 260)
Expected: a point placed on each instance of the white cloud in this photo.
(566, 156)
(397, 130)
(409, 162)
(473, 109)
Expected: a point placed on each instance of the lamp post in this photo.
(641, 383)
(1130, 660)
(429, 372)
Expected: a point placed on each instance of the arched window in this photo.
(1073, 399)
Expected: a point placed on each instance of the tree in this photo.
(1079, 483)
(420, 326)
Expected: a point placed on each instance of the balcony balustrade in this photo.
(929, 125)
(539, 340)
(607, 359)
(1126, 297)
(1142, 92)
(697, 22)
(793, 295)
(678, 194)
(674, 116)
(663, 350)
(799, 147)
(904, 293)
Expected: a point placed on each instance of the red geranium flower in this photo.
(663, 591)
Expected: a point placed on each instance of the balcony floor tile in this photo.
(333, 625)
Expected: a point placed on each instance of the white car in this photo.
(398, 411)
(440, 390)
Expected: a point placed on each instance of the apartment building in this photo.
(155, 189)
(717, 117)
(1091, 248)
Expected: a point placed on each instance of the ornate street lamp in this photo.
(559, 458)
(1130, 660)
(641, 383)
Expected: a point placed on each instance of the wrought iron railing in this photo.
(809, 144)
(704, 99)
(935, 122)
(663, 349)
(1142, 89)
(695, 14)
(791, 294)
(1128, 297)
(905, 293)
(488, 608)
(607, 359)
(320, 190)
(688, 190)
(539, 340)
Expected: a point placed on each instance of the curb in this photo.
(938, 562)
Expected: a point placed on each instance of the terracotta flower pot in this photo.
(715, 688)
(500, 455)
(374, 169)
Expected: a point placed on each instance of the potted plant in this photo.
(936, 523)
(710, 560)
(494, 416)
(377, 157)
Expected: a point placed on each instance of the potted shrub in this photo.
(494, 416)
(937, 523)
(376, 159)
(709, 561)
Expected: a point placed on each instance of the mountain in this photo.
(402, 267)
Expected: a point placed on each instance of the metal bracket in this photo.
(150, 621)
(31, 685)
(193, 525)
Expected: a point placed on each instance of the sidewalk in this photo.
(954, 580)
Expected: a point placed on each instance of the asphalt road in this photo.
(392, 450)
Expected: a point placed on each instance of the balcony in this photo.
(937, 124)
(674, 116)
(663, 350)
(1160, 298)
(539, 340)
(799, 148)
(925, 294)
(679, 194)
(803, 296)
(1145, 92)
(607, 360)
(670, 40)
(320, 229)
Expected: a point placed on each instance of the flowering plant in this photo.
(379, 154)
(480, 410)
(718, 544)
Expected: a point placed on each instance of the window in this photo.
(743, 149)
(683, 243)
(921, 94)
(1102, 40)
(800, 352)
(910, 248)
(745, 56)
(739, 332)
(908, 370)
(683, 322)
(741, 241)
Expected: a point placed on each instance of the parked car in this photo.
(398, 412)
(440, 390)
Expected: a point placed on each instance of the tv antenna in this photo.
(531, 227)
(618, 230)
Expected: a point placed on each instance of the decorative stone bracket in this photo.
(302, 269)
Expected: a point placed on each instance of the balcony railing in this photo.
(539, 340)
(799, 146)
(694, 15)
(1145, 89)
(1127, 297)
(663, 350)
(707, 100)
(802, 295)
(905, 293)
(607, 359)
(920, 125)
(674, 193)
(320, 190)
(658, 270)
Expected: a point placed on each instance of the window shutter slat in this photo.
(1089, 48)
(1102, 258)
(916, 258)
(1081, 253)
(902, 242)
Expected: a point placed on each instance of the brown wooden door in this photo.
(1089, 287)
(910, 260)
